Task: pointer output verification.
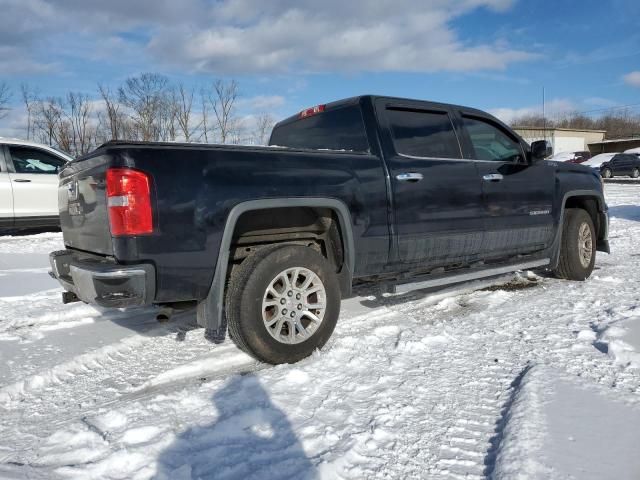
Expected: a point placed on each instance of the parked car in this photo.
(616, 164)
(400, 194)
(633, 151)
(581, 156)
(29, 184)
(596, 161)
(571, 157)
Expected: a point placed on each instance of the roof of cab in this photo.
(372, 98)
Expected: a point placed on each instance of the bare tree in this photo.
(77, 116)
(145, 97)
(222, 100)
(30, 100)
(264, 125)
(617, 123)
(168, 115)
(146, 107)
(114, 116)
(47, 123)
(5, 96)
(102, 132)
(238, 133)
(65, 123)
(64, 137)
(184, 103)
(205, 115)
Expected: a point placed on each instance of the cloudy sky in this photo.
(289, 54)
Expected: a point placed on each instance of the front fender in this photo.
(602, 209)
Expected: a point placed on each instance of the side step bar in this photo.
(442, 280)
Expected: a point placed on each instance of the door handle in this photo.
(21, 180)
(409, 177)
(492, 177)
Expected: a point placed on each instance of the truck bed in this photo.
(193, 188)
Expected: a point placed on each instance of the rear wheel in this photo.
(282, 303)
(606, 173)
(635, 173)
(577, 246)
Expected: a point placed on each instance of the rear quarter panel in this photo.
(195, 187)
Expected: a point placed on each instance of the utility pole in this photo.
(544, 118)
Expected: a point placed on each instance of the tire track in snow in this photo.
(465, 436)
(454, 373)
(469, 446)
(115, 374)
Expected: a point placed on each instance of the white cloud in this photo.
(13, 61)
(261, 103)
(14, 124)
(632, 78)
(252, 36)
(334, 35)
(553, 108)
(600, 102)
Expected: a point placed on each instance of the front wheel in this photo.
(577, 246)
(635, 173)
(606, 173)
(282, 303)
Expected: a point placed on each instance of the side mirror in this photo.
(540, 150)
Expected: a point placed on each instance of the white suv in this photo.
(29, 183)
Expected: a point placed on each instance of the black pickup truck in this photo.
(402, 193)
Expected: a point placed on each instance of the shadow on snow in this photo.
(627, 212)
(250, 439)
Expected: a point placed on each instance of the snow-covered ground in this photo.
(520, 377)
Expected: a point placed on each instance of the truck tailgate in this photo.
(82, 205)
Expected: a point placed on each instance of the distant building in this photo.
(614, 145)
(563, 139)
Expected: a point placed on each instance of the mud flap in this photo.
(217, 335)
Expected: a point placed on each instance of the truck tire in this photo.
(282, 303)
(577, 246)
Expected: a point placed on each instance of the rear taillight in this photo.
(129, 202)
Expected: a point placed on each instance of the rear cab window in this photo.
(337, 128)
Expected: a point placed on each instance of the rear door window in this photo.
(618, 161)
(420, 133)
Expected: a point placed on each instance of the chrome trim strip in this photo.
(110, 274)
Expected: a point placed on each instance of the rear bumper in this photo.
(101, 282)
